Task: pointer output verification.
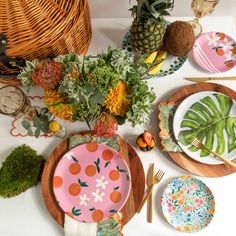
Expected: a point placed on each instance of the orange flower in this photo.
(211, 211)
(187, 228)
(63, 111)
(179, 228)
(174, 197)
(181, 202)
(181, 191)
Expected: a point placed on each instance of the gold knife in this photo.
(149, 200)
(204, 79)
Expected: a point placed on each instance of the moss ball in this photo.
(179, 38)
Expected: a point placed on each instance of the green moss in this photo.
(21, 170)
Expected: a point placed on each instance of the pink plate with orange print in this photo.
(215, 52)
(91, 182)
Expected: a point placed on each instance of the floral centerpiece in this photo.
(84, 87)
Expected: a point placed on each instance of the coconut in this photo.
(179, 38)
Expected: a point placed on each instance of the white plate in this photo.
(178, 118)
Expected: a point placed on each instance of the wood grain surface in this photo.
(182, 159)
(137, 176)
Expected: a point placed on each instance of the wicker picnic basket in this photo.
(44, 28)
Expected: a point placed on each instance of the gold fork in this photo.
(198, 144)
(156, 179)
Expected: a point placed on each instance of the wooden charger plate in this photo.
(181, 158)
(137, 177)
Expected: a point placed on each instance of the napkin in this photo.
(110, 227)
(76, 228)
(166, 115)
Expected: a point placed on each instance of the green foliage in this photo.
(142, 98)
(87, 82)
(26, 73)
(72, 63)
(206, 120)
(152, 9)
(21, 170)
(106, 78)
(40, 123)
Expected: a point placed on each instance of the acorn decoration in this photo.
(179, 38)
(146, 141)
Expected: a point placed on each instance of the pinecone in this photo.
(47, 74)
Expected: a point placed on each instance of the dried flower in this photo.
(47, 74)
(106, 125)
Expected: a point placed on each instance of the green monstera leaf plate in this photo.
(210, 117)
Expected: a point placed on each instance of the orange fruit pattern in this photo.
(114, 175)
(220, 52)
(57, 181)
(90, 170)
(115, 196)
(74, 168)
(92, 147)
(230, 64)
(97, 215)
(74, 189)
(107, 155)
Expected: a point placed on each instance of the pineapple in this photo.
(148, 27)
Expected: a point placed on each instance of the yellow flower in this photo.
(54, 126)
(116, 101)
(63, 111)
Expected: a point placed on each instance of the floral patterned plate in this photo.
(171, 63)
(188, 204)
(91, 182)
(215, 52)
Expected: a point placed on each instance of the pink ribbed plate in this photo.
(215, 52)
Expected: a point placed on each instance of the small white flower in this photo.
(98, 195)
(225, 44)
(213, 39)
(230, 56)
(84, 200)
(101, 182)
(69, 155)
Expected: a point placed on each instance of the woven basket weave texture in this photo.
(45, 28)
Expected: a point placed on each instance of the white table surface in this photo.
(26, 214)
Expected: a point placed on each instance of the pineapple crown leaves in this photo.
(152, 9)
